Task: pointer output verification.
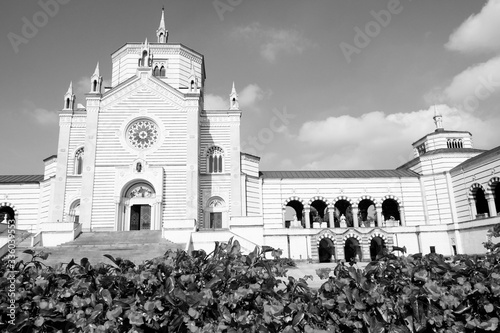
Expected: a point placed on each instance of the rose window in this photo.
(142, 134)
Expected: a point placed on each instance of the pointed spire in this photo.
(162, 20)
(96, 71)
(162, 32)
(69, 98)
(233, 99)
(70, 88)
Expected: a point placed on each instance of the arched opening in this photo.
(343, 211)
(192, 84)
(326, 250)
(94, 86)
(74, 212)
(496, 194)
(7, 213)
(156, 71)
(67, 103)
(139, 199)
(79, 161)
(144, 58)
(481, 202)
(215, 212)
(161, 37)
(162, 71)
(367, 213)
(377, 246)
(293, 213)
(214, 160)
(319, 212)
(352, 250)
(390, 211)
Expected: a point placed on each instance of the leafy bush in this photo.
(226, 291)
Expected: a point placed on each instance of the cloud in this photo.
(250, 95)
(475, 84)
(42, 116)
(249, 98)
(273, 42)
(479, 33)
(377, 140)
(215, 102)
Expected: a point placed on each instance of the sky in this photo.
(323, 84)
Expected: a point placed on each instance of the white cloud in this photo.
(273, 42)
(479, 33)
(42, 116)
(250, 95)
(378, 140)
(475, 84)
(215, 102)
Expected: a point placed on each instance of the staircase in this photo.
(136, 246)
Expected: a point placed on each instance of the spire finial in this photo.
(70, 88)
(233, 99)
(438, 119)
(96, 71)
(162, 32)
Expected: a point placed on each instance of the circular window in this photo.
(142, 134)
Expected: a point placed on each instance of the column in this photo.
(283, 213)
(473, 210)
(402, 216)
(307, 210)
(331, 217)
(355, 221)
(380, 218)
(491, 206)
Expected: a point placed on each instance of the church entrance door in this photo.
(140, 217)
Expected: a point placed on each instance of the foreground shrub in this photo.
(226, 291)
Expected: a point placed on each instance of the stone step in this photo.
(136, 246)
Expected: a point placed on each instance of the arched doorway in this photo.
(7, 213)
(390, 211)
(293, 213)
(377, 246)
(326, 250)
(74, 212)
(367, 213)
(319, 212)
(216, 213)
(139, 207)
(352, 250)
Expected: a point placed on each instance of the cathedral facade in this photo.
(144, 154)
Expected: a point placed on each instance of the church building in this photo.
(144, 154)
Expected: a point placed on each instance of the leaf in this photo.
(106, 295)
(298, 317)
(490, 325)
(70, 265)
(28, 251)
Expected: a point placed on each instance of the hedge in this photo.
(226, 291)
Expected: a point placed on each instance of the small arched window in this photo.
(67, 103)
(215, 160)
(156, 71)
(94, 87)
(162, 71)
(79, 161)
(144, 59)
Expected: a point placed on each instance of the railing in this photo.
(36, 240)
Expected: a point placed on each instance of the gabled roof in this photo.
(22, 179)
(339, 174)
(485, 156)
